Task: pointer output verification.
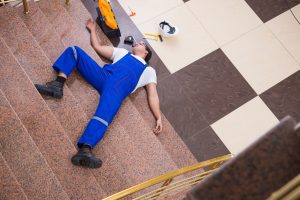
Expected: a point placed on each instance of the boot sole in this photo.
(85, 161)
(46, 92)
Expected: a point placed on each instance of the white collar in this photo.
(140, 59)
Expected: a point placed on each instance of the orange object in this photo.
(131, 12)
(108, 14)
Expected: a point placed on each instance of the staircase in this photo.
(39, 134)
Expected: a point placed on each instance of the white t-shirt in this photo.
(149, 74)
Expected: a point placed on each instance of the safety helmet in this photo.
(167, 30)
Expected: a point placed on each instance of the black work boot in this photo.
(85, 158)
(53, 89)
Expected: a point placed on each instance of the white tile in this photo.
(261, 59)
(146, 9)
(287, 30)
(296, 11)
(243, 126)
(191, 43)
(225, 20)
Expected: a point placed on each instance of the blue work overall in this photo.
(114, 82)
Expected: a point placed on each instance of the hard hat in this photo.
(167, 30)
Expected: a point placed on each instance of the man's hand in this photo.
(158, 127)
(90, 25)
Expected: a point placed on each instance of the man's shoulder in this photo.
(150, 69)
(120, 50)
(118, 53)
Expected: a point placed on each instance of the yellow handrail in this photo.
(25, 4)
(163, 178)
(289, 191)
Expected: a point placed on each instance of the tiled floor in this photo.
(230, 74)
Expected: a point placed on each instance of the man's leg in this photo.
(108, 107)
(71, 58)
(75, 57)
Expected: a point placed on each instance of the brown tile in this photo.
(259, 170)
(268, 9)
(284, 98)
(9, 186)
(215, 85)
(24, 158)
(205, 145)
(179, 109)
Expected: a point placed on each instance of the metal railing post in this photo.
(25, 5)
(166, 183)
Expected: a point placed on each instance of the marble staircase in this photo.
(39, 134)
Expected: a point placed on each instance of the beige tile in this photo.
(225, 20)
(246, 124)
(261, 59)
(146, 9)
(296, 11)
(287, 30)
(192, 42)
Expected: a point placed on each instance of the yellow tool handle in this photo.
(155, 35)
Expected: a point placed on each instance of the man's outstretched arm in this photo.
(102, 50)
(154, 106)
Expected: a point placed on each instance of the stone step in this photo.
(44, 128)
(112, 172)
(24, 158)
(77, 10)
(71, 34)
(38, 67)
(10, 188)
(117, 128)
(139, 153)
(169, 138)
(111, 177)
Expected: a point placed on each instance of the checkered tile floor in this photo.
(230, 74)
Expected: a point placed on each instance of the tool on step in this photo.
(129, 40)
(131, 12)
(156, 36)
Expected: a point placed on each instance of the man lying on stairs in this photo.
(114, 82)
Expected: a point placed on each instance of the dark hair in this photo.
(149, 55)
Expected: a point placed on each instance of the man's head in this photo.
(142, 50)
